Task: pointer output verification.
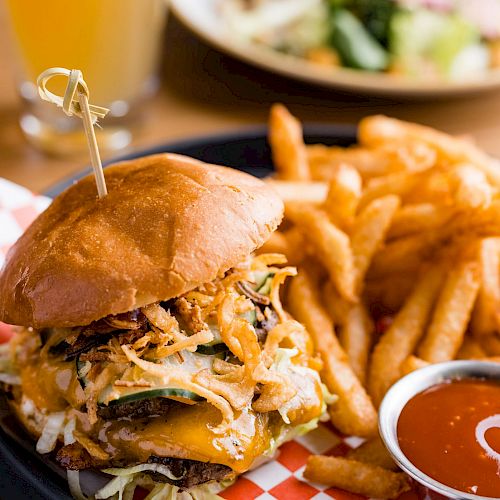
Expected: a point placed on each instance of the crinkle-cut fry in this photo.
(486, 314)
(309, 192)
(356, 477)
(277, 243)
(412, 363)
(324, 161)
(353, 413)
(296, 246)
(402, 337)
(491, 344)
(287, 145)
(471, 188)
(409, 156)
(379, 129)
(471, 349)
(481, 222)
(382, 160)
(452, 313)
(368, 234)
(399, 184)
(462, 228)
(331, 245)
(411, 219)
(356, 338)
(435, 187)
(373, 451)
(344, 192)
(387, 294)
(404, 255)
(336, 306)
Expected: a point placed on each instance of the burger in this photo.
(152, 344)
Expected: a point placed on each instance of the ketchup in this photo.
(451, 432)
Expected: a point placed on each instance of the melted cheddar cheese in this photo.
(189, 432)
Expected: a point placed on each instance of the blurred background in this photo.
(201, 89)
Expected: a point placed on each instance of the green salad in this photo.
(422, 39)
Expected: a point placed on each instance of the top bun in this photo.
(168, 224)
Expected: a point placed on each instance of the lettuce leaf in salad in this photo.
(376, 16)
(356, 46)
(426, 42)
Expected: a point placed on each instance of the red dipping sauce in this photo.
(451, 432)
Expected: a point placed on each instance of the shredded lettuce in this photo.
(127, 479)
(51, 430)
(115, 486)
(159, 468)
(283, 364)
(75, 488)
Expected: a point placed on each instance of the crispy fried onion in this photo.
(237, 385)
(93, 448)
(109, 373)
(179, 378)
(289, 329)
(278, 279)
(167, 329)
(267, 259)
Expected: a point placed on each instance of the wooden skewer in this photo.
(95, 158)
(76, 102)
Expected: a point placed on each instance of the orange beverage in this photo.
(115, 43)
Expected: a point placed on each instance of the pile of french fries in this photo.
(397, 241)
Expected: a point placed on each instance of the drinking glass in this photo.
(115, 43)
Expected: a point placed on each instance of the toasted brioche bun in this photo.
(168, 224)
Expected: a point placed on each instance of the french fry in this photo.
(353, 412)
(332, 246)
(412, 363)
(373, 451)
(368, 234)
(486, 314)
(386, 158)
(434, 187)
(344, 191)
(470, 349)
(471, 187)
(277, 243)
(296, 246)
(357, 477)
(491, 359)
(287, 145)
(374, 130)
(336, 306)
(405, 255)
(400, 340)
(388, 293)
(491, 344)
(400, 184)
(310, 192)
(356, 337)
(325, 160)
(412, 219)
(452, 313)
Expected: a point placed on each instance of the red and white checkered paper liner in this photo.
(280, 478)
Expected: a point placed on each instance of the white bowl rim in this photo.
(405, 389)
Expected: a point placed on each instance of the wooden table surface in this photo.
(204, 91)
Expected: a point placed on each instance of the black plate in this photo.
(24, 473)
